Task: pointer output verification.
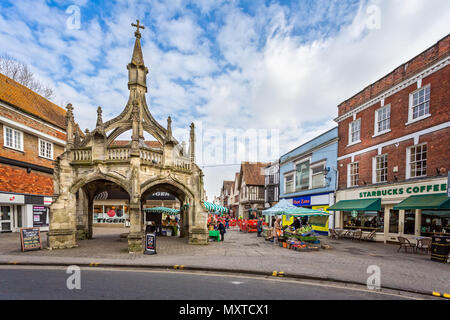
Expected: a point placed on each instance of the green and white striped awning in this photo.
(162, 210)
(211, 207)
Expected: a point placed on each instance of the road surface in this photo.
(21, 282)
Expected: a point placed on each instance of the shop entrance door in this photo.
(394, 225)
(6, 218)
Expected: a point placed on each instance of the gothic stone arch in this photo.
(135, 167)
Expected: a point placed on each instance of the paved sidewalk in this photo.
(346, 261)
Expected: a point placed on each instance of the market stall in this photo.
(168, 220)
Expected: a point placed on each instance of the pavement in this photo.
(346, 261)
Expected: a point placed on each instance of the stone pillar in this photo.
(198, 230)
(136, 235)
(63, 225)
(82, 215)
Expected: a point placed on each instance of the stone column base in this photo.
(82, 233)
(136, 243)
(61, 239)
(198, 236)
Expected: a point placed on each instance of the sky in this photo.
(258, 78)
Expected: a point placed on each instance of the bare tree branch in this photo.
(20, 72)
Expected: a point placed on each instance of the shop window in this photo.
(409, 226)
(394, 216)
(416, 161)
(364, 220)
(435, 222)
(302, 176)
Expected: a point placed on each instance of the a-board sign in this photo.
(30, 239)
(150, 243)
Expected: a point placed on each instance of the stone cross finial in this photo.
(138, 26)
(99, 117)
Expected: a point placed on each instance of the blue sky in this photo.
(262, 65)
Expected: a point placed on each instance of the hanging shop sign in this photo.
(30, 239)
(430, 188)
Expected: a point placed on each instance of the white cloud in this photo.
(283, 66)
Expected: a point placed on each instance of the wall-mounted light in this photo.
(28, 170)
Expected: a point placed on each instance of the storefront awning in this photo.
(358, 205)
(426, 201)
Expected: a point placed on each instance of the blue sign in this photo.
(302, 201)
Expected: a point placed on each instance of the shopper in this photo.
(227, 222)
(221, 229)
(277, 230)
(259, 226)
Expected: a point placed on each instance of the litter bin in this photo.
(440, 248)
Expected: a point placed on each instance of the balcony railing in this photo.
(151, 156)
(82, 155)
(118, 154)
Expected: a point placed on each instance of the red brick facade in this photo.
(17, 180)
(31, 174)
(438, 153)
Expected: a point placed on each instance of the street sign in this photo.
(30, 239)
(150, 243)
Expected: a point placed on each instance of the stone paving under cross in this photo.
(347, 260)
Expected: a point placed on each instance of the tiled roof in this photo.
(30, 102)
(228, 185)
(253, 173)
(150, 144)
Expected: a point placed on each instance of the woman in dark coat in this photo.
(221, 229)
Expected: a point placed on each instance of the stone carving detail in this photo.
(92, 161)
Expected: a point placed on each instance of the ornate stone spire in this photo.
(137, 71)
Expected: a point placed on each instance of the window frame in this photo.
(324, 165)
(47, 143)
(296, 163)
(408, 161)
(376, 120)
(290, 174)
(375, 169)
(349, 179)
(411, 106)
(350, 133)
(14, 132)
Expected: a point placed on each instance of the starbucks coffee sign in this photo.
(406, 190)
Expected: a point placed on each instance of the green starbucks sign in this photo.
(405, 190)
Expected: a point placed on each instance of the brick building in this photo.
(394, 151)
(32, 135)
